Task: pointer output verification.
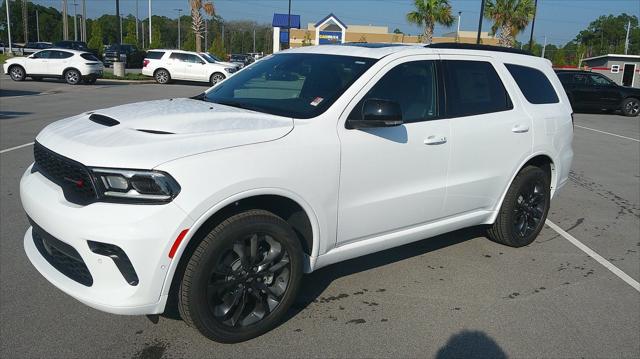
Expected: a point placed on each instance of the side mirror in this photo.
(377, 113)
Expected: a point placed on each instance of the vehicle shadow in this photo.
(471, 344)
(12, 93)
(314, 284)
(5, 115)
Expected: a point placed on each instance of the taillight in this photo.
(145, 63)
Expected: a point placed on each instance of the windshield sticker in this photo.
(316, 101)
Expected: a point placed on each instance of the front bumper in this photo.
(144, 232)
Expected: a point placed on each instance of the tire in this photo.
(17, 73)
(249, 299)
(630, 107)
(216, 77)
(72, 77)
(523, 210)
(162, 76)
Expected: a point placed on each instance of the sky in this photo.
(558, 20)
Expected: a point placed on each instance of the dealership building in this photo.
(622, 69)
(331, 30)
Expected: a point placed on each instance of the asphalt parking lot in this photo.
(454, 295)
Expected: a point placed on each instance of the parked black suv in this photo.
(129, 54)
(590, 91)
(71, 45)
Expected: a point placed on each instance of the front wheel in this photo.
(242, 278)
(17, 73)
(72, 77)
(631, 107)
(523, 210)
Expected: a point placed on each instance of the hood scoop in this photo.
(156, 132)
(103, 120)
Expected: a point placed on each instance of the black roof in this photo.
(455, 45)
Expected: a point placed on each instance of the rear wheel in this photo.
(72, 77)
(217, 77)
(162, 76)
(242, 278)
(17, 73)
(631, 107)
(523, 210)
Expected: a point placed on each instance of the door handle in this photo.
(520, 128)
(435, 140)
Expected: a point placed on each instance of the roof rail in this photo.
(456, 45)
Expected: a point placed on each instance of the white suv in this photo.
(71, 65)
(167, 65)
(307, 158)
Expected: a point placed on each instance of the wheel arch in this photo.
(541, 160)
(217, 72)
(288, 206)
(18, 65)
(161, 68)
(64, 72)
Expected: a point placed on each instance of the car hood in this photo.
(227, 64)
(147, 134)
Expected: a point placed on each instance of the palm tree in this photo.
(197, 6)
(428, 13)
(510, 17)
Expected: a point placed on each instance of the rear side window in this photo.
(60, 55)
(90, 57)
(535, 86)
(474, 88)
(176, 56)
(155, 55)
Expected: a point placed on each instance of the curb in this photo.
(130, 82)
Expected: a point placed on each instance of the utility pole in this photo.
(254, 39)
(9, 27)
(137, 25)
(75, 21)
(458, 32)
(119, 18)
(65, 21)
(289, 27)
(37, 27)
(544, 47)
(179, 15)
(480, 22)
(150, 23)
(533, 24)
(84, 21)
(626, 41)
(25, 20)
(206, 35)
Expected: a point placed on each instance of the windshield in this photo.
(210, 58)
(291, 85)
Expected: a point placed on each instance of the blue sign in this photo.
(330, 37)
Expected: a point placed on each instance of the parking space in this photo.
(441, 297)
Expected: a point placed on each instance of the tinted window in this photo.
(412, 85)
(191, 58)
(90, 57)
(176, 56)
(566, 79)
(42, 54)
(473, 88)
(155, 55)
(534, 85)
(580, 79)
(600, 80)
(291, 85)
(60, 55)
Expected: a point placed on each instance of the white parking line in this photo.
(609, 133)
(615, 270)
(16, 148)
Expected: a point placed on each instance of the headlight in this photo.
(230, 69)
(122, 185)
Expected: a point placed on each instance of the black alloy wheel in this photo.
(524, 208)
(249, 280)
(631, 107)
(242, 277)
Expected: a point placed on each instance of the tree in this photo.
(428, 13)
(307, 39)
(130, 37)
(607, 34)
(510, 17)
(197, 7)
(96, 39)
(397, 31)
(156, 40)
(217, 47)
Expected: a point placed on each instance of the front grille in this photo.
(61, 256)
(71, 176)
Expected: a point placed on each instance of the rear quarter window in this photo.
(90, 57)
(155, 55)
(534, 84)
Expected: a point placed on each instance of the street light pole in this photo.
(37, 27)
(179, 15)
(480, 22)
(137, 25)
(9, 27)
(65, 21)
(119, 18)
(150, 23)
(84, 21)
(533, 24)
(289, 27)
(75, 21)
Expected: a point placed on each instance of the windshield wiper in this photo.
(241, 105)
